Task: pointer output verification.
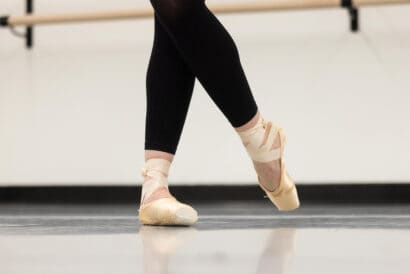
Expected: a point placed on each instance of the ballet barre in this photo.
(29, 20)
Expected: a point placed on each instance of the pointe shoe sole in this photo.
(167, 211)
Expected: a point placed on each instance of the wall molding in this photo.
(356, 193)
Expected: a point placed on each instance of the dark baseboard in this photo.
(308, 193)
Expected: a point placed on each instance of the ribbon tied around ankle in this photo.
(145, 170)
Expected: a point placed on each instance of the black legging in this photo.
(189, 42)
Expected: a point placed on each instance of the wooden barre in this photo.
(29, 20)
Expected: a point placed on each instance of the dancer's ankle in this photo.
(159, 193)
(251, 123)
(155, 180)
(150, 153)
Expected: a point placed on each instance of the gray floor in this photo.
(229, 238)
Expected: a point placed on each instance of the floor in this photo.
(229, 238)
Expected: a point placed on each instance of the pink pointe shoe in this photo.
(165, 210)
(258, 142)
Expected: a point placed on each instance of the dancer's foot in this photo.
(160, 192)
(270, 172)
(158, 206)
(264, 142)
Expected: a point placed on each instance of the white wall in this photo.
(72, 110)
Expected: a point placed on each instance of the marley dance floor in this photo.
(233, 237)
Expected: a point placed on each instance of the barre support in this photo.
(29, 29)
(4, 21)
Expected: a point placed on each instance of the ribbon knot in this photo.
(144, 171)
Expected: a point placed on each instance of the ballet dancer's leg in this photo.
(211, 53)
(169, 87)
(269, 172)
(212, 56)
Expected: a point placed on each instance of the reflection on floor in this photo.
(229, 238)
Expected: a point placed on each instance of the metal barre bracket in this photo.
(353, 14)
(4, 21)
(28, 35)
(29, 29)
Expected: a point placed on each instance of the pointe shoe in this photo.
(258, 143)
(162, 211)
